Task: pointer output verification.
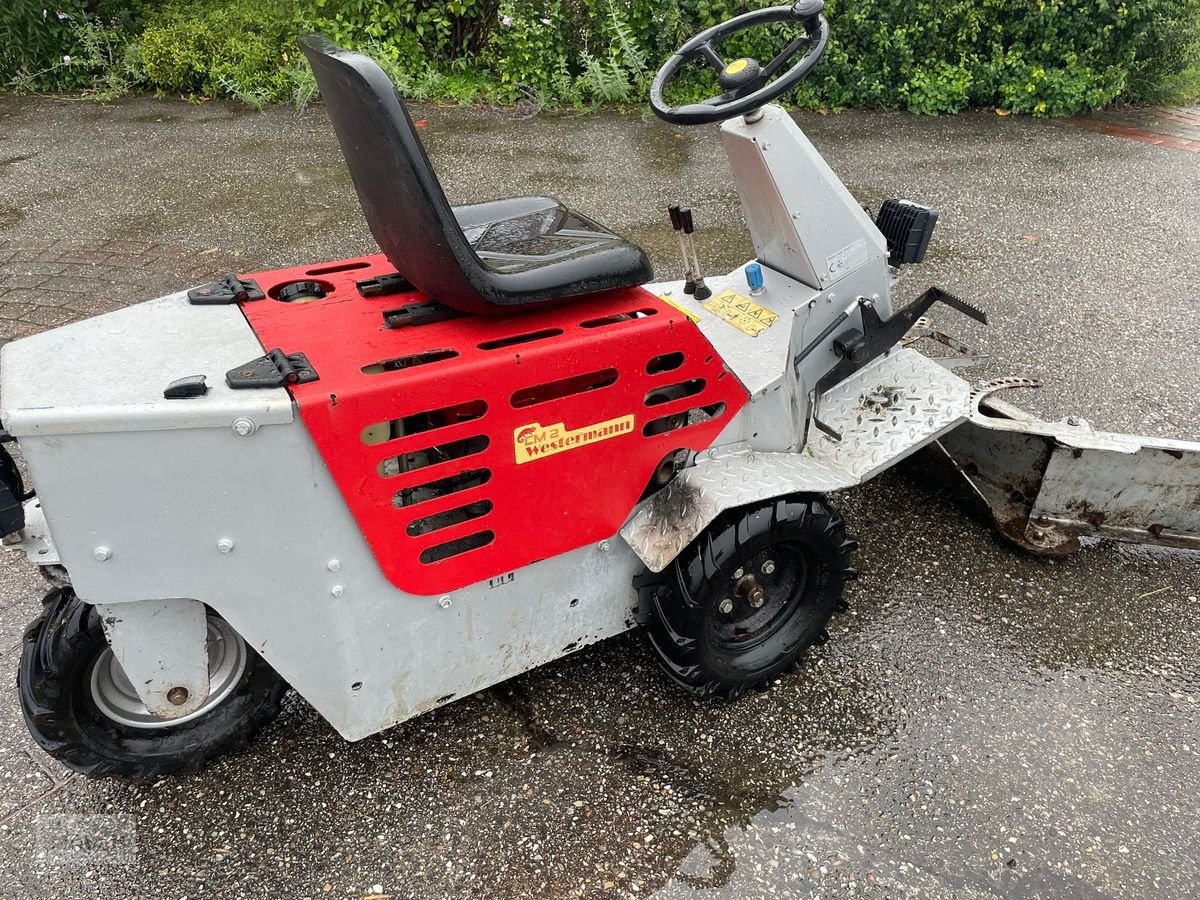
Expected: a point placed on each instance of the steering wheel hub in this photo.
(739, 73)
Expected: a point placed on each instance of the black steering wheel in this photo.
(746, 85)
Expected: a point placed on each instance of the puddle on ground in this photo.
(10, 215)
(13, 160)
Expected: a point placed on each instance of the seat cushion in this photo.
(523, 233)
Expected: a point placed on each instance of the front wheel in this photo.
(82, 710)
(740, 605)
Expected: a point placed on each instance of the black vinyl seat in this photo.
(488, 257)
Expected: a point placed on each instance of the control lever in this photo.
(689, 284)
(702, 291)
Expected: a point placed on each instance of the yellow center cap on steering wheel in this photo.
(736, 66)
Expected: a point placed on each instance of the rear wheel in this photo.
(741, 604)
(81, 709)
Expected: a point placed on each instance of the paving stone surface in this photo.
(1176, 128)
(44, 285)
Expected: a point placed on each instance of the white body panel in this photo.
(300, 583)
(803, 221)
(109, 373)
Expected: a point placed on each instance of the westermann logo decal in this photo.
(535, 441)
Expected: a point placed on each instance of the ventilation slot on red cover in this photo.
(340, 267)
(679, 420)
(616, 318)
(442, 487)
(408, 362)
(527, 338)
(423, 421)
(456, 547)
(669, 392)
(419, 459)
(664, 362)
(564, 387)
(456, 516)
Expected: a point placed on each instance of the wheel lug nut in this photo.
(726, 606)
(768, 567)
(757, 598)
(739, 573)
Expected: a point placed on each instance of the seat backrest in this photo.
(402, 200)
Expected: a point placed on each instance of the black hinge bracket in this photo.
(384, 285)
(224, 291)
(421, 313)
(276, 369)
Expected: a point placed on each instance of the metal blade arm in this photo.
(879, 336)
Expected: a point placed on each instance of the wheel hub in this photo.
(749, 589)
(759, 599)
(115, 697)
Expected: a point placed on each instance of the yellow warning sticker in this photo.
(536, 441)
(687, 312)
(741, 312)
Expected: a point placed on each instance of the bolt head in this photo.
(337, 590)
(102, 554)
(726, 606)
(445, 602)
(768, 567)
(178, 696)
(757, 598)
(604, 546)
(739, 573)
(244, 427)
(225, 545)
(334, 565)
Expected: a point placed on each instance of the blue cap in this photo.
(754, 276)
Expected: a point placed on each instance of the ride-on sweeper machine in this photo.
(394, 480)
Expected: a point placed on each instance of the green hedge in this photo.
(1042, 57)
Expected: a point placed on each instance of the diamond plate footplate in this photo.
(884, 412)
(887, 410)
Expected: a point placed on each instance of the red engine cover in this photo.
(470, 447)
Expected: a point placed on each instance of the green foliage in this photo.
(107, 53)
(36, 44)
(528, 51)
(211, 48)
(1039, 57)
(69, 45)
(451, 31)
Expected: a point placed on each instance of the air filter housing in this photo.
(907, 226)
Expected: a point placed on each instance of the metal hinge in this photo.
(229, 289)
(276, 369)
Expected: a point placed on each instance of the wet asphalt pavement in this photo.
(982, 724)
